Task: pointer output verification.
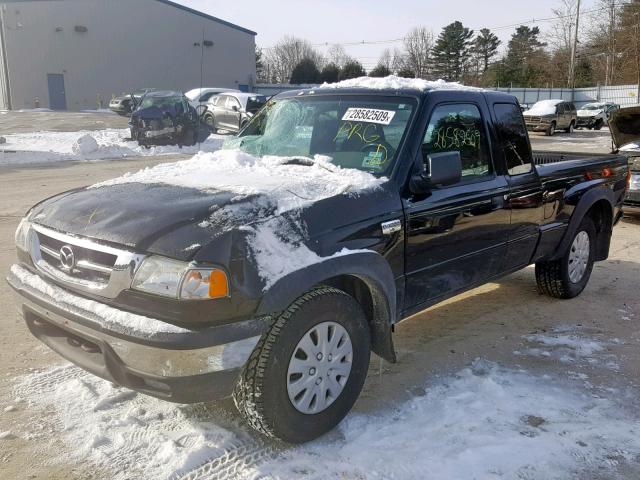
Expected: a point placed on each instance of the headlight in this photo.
(176, 279)
(22, 234)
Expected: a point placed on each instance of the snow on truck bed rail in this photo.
(398, 83)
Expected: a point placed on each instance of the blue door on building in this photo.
(57, 95)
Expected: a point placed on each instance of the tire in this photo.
(262, 393)
(599, 124)
(551, 131)
(571, 128)
(211, 122)
(558, 278)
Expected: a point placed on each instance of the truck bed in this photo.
(552, 164)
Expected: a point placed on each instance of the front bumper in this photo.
(538, 127)
(586, 122)
(183, 366)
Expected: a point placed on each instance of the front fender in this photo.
(368, 267)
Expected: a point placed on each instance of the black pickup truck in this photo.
(271, 269)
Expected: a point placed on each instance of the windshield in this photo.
(160, 102)
(362, 132)
(593, 106)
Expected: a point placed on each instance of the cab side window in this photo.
(459, 128)
(513, 139)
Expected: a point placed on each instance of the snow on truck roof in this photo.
(393, 82)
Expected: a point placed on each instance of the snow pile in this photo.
(111, 143)
(110, 318)
(543, 107)
(85, 145)
(394, 82)
(483, 422)
(568, 344)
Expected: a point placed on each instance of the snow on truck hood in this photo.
(270, 195)
(288, 186)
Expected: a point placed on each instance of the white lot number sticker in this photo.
(370, 115)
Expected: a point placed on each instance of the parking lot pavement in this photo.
(580, 141)
(26, 122)
(497, 380)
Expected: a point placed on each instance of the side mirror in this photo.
(443, 169)
(235, 108)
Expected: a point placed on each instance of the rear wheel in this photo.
(307, 371)
(568, 276)
(551, 130)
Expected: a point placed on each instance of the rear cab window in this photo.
(512, 138)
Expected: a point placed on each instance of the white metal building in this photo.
(76, 54)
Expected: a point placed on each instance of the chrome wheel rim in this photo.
(319, 368)
(579, 257)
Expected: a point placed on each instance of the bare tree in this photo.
(282, 58)
(398, 60)
(562, 35)
(604, 49)
(418, 44)
(338, 56)
(386, 59)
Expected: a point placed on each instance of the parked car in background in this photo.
(231, 111)
(167, 118)
(595, 115)
(625, 131)
(126, 103)
(199, 96)
(549, 116)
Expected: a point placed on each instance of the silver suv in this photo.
(549, 116)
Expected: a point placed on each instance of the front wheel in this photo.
(307, 371)
(599, 124)
(568, 276)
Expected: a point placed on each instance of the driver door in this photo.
(457, 235)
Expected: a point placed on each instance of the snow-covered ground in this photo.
(486, 421)
(107, 144)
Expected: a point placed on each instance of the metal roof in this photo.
(181, 7)
(207, 16)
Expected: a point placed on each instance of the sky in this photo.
(347, 21)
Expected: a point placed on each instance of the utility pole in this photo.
(574, 50)
(611, 54)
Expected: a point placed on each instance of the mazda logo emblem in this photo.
(67, 258)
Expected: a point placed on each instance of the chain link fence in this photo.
(623, 95)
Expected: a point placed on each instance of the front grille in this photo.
(90, 265)
(81, 263)
(529, 119)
